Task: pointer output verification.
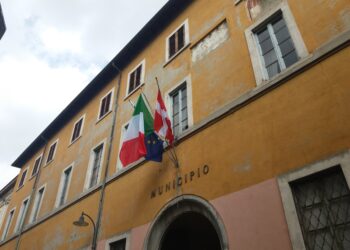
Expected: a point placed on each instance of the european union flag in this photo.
(154, 147)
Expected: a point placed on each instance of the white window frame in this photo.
(60, 187)
(21, 215)
(41, 159)
(254, 48)
(118, 237)
(296, 236)
(91, 163)
(142, 78)
(54, 152)
(81, 129)
(111, 92)
(169, 101)
(8, 223)
(187, 40)
(3, 211)
(24, 180)
(37, 204)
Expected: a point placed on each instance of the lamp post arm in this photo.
(94, 226)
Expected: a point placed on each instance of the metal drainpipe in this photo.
(111, 137)
(36, 180)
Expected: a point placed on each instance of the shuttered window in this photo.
(77, 129)
(135, 78)
(105, 105)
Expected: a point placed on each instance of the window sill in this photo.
(238, 2)
(48, 163)
(132, 92)
(176, 54)
(74, 141)
(285, 72)
(102, 117)
(19, 188)
(32, 177)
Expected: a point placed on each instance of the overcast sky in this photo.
(51, 50)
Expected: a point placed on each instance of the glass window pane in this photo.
(266, 46)
(270, 57)
(273, 69)
(291, 58)
(282, 35)
(286, 47)
(277, 25)
(263, 35)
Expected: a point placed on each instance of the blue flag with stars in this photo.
(154, 146)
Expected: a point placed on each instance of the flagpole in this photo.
(172, 151)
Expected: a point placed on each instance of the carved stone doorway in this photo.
(187, 223)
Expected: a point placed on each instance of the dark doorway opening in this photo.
(190, 231)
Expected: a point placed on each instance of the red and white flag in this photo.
(162, 124)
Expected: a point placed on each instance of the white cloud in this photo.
(60, 41)
(49, 53)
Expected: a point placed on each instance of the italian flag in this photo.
(140, 125)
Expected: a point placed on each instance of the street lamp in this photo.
(82, 223)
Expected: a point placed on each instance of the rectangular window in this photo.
(177, 40)
(21, 215)
(136, 77)
(52, 151)
(322, 202)
(37, 204)
(23, 177)
(118, 245)
(105, 105)
(276, 46)
(274, 43)
(8, 224)
(36, 166)
(96, 165)
(63, 189)
(179, 109)
(78, 126)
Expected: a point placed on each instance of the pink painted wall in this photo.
(138, 235)
(254, 218)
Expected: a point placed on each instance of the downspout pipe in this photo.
(110, 143)
(32, 194)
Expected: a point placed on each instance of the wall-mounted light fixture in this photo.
(82, 223)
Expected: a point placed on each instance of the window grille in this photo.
(322, 202)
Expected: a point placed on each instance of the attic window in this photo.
(177, 41)
(136, 78)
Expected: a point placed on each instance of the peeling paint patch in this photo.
(345, 17)
(209, 43)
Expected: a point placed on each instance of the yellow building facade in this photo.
(258, 94)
